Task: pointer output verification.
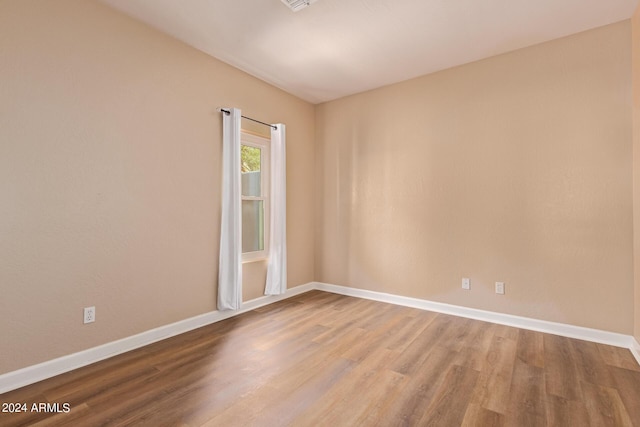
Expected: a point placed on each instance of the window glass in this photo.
(251, 158)
(254, 169)
(252, 225)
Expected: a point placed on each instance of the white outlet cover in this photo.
(89, 314)
(500, 288)
(466, 283)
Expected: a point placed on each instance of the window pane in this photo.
(252, 225)
(250, 167)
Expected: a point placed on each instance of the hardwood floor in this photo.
(321, 359)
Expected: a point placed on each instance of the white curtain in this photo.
(230, 268)
(277, 267)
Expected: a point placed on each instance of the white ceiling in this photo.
(335, 48)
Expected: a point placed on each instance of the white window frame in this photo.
(264, 144)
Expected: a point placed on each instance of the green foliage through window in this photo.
(250, 158)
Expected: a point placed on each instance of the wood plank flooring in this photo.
(321, 359)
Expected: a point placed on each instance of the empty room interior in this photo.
(445, 228)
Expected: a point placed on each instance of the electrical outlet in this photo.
(466, 283)
(500, 288)
(89, 314)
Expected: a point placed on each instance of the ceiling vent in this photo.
(296, 5)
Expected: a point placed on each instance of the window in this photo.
(254, 168)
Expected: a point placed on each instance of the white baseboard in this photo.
(579, 332)
(635, 349)
(32, 374)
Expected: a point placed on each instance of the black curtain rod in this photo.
(227, 112)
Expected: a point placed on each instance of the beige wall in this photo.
(517, 168)
(635, 23)
(110, 157)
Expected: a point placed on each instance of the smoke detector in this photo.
(296, 5)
